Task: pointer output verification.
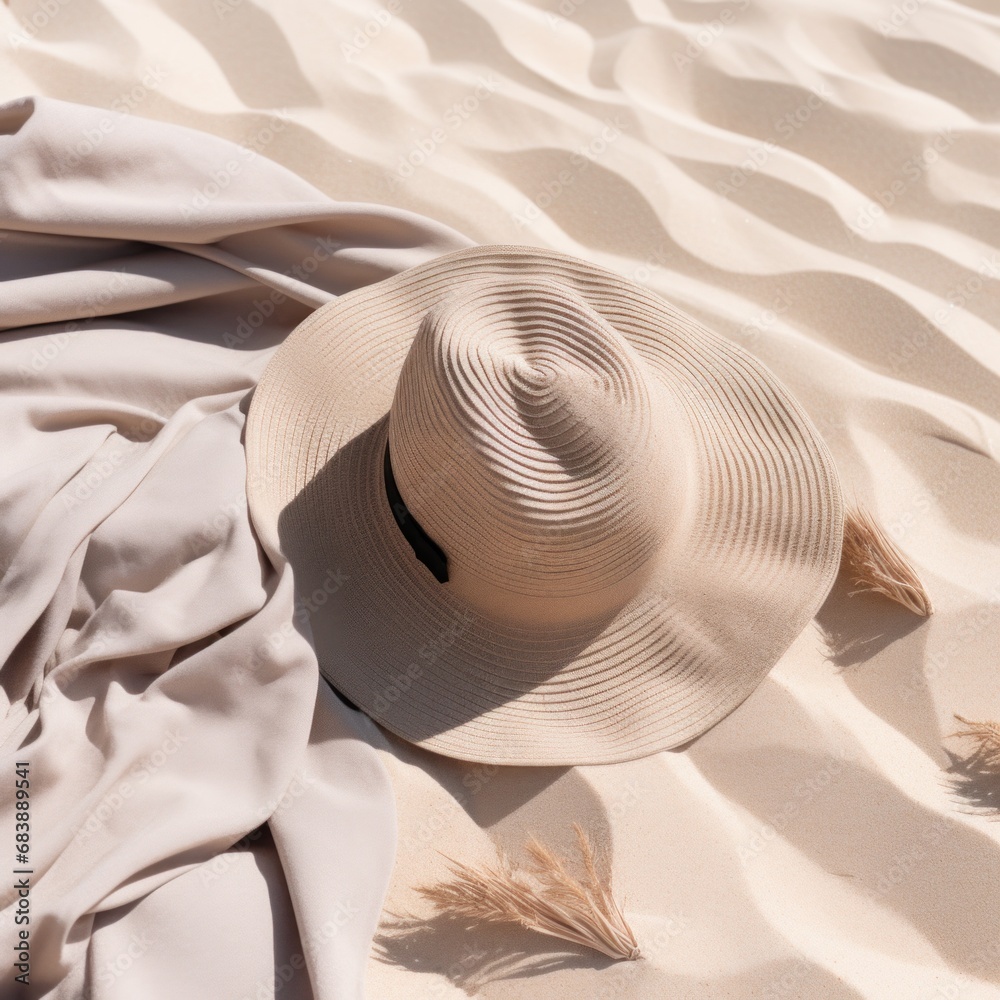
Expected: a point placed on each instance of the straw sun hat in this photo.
(570, 524)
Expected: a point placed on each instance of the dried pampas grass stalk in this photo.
(987, 739)
(876, 563)
(546, 898)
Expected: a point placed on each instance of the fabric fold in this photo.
(158, 672)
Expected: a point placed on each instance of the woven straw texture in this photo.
(638, 518)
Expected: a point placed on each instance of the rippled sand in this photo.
(817, 181)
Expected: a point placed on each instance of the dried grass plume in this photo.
(986, 736)
(544, 898)
(875, 563)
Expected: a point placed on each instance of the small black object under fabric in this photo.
(424, 547)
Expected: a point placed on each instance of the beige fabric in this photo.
(638, 519)
(157, 674)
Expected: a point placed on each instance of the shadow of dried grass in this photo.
(471, 954)
(975, 785)
(856, 626)
(975, 776)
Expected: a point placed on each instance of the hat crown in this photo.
(722, 466)
(525, 443)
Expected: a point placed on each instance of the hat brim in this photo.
(764, 526)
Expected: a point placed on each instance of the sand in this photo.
(816, 181)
